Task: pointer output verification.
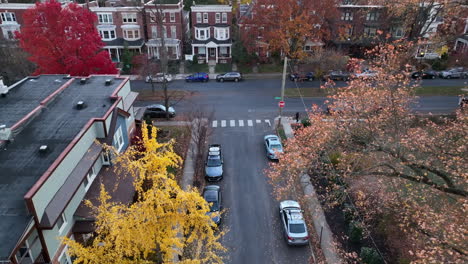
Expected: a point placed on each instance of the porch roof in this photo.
(157, 42)
(216, 41)
(120, 43)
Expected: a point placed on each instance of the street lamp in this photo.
(421, 56)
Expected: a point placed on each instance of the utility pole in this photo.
(282, 89)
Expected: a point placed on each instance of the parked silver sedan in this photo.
(294, 226)
(273, 146)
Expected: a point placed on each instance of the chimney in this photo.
(82, 80)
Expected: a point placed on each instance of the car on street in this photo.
(424, 74)
(294, 226)
(229, 76)
(366, 74)
(302, 76)
(214, 163)
(212, 194)
(337, 76)
(273, 146)
(198, 77)
(459, 72)
(158, 111)
(159, 78)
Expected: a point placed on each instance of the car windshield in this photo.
(297, 228)
(276, 147)
(213, 161)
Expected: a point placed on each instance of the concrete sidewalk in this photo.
(181, 76)
(321, 226)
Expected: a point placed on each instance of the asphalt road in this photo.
(241, 99)
(251, 219)
(242, 114)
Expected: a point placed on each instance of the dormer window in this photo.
(8, 17)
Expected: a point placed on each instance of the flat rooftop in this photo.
(21, 164)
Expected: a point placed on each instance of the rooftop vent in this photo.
(80, 105)
(43, 149)
(108, 82)
(3, 88)
(82, 80)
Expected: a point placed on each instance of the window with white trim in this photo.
(223, 51)
(173, 32)
(372, 16)
(107, 34)
(61, 223)
(64, 258)
(163, 15)
(172, 17)
(131, 33)
(8, 17)
(199, 17)
(224, 18)
(205, 17)
(154, 31)
(397, 32)
(201, 50)
(347, 16)
(90, 176)
(105, 18)
(202, 33)
(118, 139)
(129, 17)
(24, 253)
(370, 31)
(221, 33)
(218, 17)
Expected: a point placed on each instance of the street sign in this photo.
(281, 104)
(277, 98)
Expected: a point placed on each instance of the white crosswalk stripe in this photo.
(240, 123)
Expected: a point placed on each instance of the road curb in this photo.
(322, 229)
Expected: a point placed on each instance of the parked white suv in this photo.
(459, 72)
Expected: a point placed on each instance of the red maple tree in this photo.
(64, 40)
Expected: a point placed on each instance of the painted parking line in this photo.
(232, 123)
(215, 123)
(241, 123)
(223, 123)
(249, 123)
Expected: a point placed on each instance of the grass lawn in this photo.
(181, 135)
(262, 68)
(196, 68)
(439, 90)
(158, 95)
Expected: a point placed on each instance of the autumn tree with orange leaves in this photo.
(286, 25)
(164, 225)
(406, 174)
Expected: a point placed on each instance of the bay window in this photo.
(202, 33)
(131, 34)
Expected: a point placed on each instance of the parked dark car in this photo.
(198, 77)
(158, 110)
(301, 76)
(337, 76)
(212, 195)
(214, 163)
(229, 76)
(424, 75)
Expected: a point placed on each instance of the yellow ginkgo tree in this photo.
(166, 223)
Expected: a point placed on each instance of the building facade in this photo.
(51, 131)
(11, 19)
(173, 28)
(211, 33)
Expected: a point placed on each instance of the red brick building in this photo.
(11, 19)
(211, 33)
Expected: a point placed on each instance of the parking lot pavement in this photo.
(251, 219)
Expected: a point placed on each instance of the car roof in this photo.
(290, 204)
(156, 105)
(211, 187)
(271, 137)
(211, 195)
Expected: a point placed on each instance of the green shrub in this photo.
(370, 256)
(355, 232)
(222, 68)
(335, 158)
(306, 122)
(173, 67)
(348, 213)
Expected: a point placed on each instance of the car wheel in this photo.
(221, 80)
(433, 76)
(310, 79)
(449, 77)
(236, 79)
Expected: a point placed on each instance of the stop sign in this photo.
(281, 104)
